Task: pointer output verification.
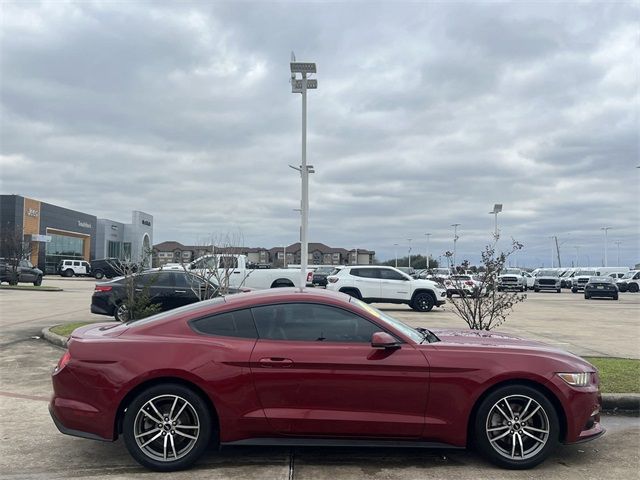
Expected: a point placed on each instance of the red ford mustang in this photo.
(284, 367)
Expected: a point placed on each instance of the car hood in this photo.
(418, 282)
(548, 277)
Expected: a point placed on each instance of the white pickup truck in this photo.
(241, 276)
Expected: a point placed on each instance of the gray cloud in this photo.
(426, 115)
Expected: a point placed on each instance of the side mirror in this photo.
(383, 340)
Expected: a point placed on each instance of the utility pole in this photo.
(409, 240)
(558, 252)
(618, 242)
(455, 241)
(577, 247)
(396, 245)
(427, 257)
(605, 229)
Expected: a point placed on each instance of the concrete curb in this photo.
(32, 289)
(54, 338)
(623, 403)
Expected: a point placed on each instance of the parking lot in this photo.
(33, 448)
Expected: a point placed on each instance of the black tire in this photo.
(282, 284)
(558, 290)
(38, 281)
(622, 289)
(352, 292)
(196, 412)
(587, 296)
(633, 288)
(422, 302)
(13, 282)
(98, 274)
(502, 452)
(574, 290)
(615, 297)
(121, 312)
(67, 273)
(537, 290)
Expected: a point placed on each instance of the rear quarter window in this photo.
(238, 323)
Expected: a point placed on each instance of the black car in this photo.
(23, 272)
(321, 274)
(601, 287)
(169, 289)
(110, 268)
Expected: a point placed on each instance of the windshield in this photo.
(586, 273)
(325, 270)
(629, 274)
(511, 271)
(547, 273)
(397, 324)
(601, 280)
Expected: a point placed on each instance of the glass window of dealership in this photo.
(58, 233)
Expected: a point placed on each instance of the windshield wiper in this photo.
(427, 335)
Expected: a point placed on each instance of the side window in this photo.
(156, 279)
(76, 264)
(637, 277)
(228, 262)
(370, 272)
(230, 324)
(391, 275)
(355, 272)
(312, 323)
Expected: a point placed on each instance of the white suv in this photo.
(69, 268)
(378, 284)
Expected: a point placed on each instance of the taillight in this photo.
(64, 359)
(332, 279)
(103, 288)
(469, 282)
(310, 277)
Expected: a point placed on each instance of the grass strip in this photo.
(65, 329)
(617, 375)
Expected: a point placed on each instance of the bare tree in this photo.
(14, 248)
(485, 307)
(219, 266)
(137, 303)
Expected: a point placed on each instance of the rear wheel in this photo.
(121, 313)
(633, 287)
(537, 290)
(558, 290)
(516, 427)
(423, 302)
(587, 296)
(38, 281)
(615, 297)
(574, 290)
(167, 427)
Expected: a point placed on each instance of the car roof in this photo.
(291, 294)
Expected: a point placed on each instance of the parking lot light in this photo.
(605, 230)
(455, 241)
(497, 208)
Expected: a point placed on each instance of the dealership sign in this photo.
(40, 238)
(84, 224)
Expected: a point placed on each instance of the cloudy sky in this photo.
(426, 115)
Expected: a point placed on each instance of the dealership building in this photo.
(58, 233)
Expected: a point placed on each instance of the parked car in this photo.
(630, 282)
(462, 285)
(601, 287)
(110, 268)
(566, 278)
(73, 267)
(321, 273)
(24, 272)
(169, 289)
(547, 280)
(291, 368)
(512, 279)
(581, 278)
(387, 285)
(409, 271)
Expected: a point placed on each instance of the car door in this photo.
(160, 286)
(26, 272)
(367, 281)
(316, 373)
(394, 285)
(187, 288)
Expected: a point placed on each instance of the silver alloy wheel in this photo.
(166, 428)
(517, 427)
(122, 313)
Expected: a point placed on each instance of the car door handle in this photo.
(236, 273)
(276, 362)
(180, 291)
(138, 289)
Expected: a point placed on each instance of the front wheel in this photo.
(587, 296)
(68, 272)
(615, 297)
(537, 290)
(633, 288)
(121, 313)
(574, 290)
(167, 427)
(98, 274)
(516, 427)
(558, 290)
(38, 281)
(423, 302)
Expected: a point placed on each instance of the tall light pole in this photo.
(618, 242)
(455, 241)
(552, 247)
(605, 229)
(427, 262)
(301, 86)
(577, 247)
(396, 245)
(497, 208)
(409, 240)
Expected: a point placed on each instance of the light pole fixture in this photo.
(618, 242)
(455, 241)
(497, 208)
(605, 230)
(409, 240)
(301, 85)
(577, 247)
(396, 245)
(427, 261)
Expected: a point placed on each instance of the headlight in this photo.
(575, 379)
